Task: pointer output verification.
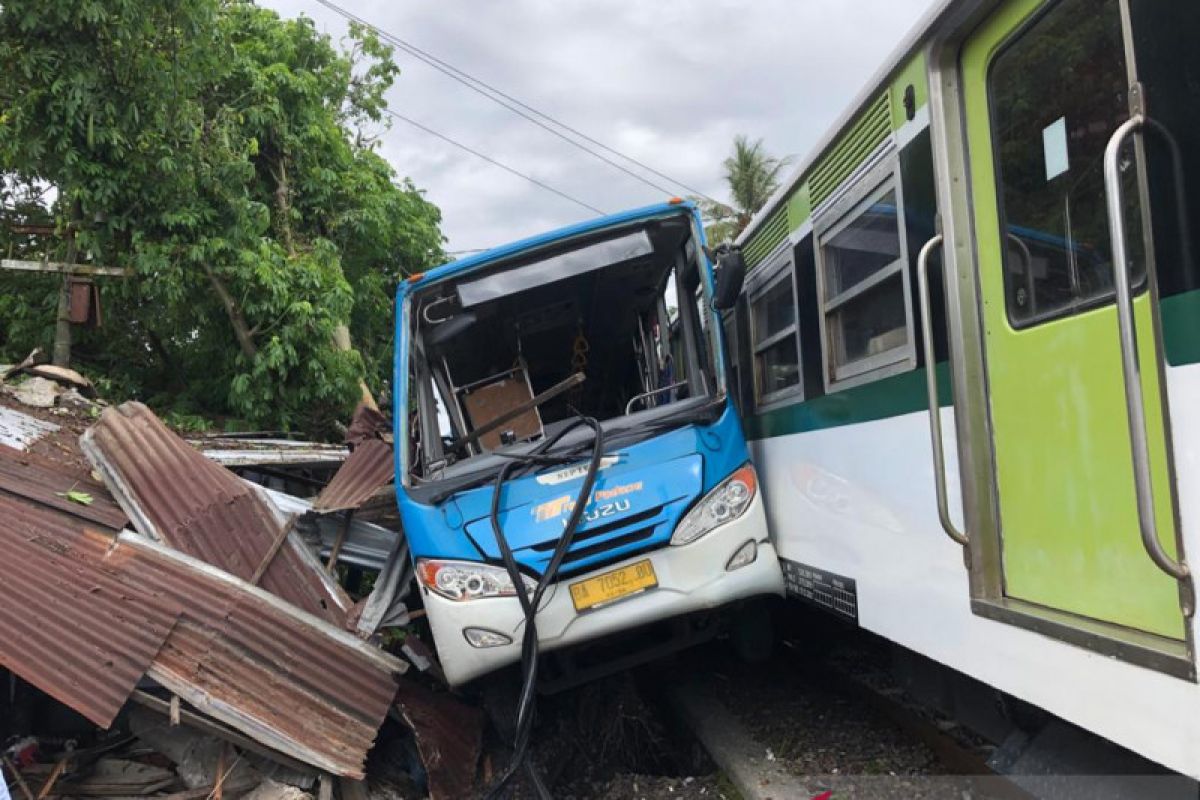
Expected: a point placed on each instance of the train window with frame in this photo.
(1057, 91)
(774, 335)
(863, 285)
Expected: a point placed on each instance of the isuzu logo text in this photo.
(598, 505)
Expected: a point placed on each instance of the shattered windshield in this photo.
(610, 327)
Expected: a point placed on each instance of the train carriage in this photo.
(968, 360)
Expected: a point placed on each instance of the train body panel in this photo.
(874, 520)
(1011, 204)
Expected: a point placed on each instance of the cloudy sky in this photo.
(669, 83)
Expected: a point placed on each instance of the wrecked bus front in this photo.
(561, 408)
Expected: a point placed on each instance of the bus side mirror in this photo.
(731, 274)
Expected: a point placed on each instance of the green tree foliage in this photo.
(226, 156)
(753, 176)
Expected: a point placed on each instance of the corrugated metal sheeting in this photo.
(368, 469)
(239, 654)
(19, 430)
(67, 625)
(176, 496)
(50, 484)
(85, 610)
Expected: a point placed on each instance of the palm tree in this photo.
(753, 176)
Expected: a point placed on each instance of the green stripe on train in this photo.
(905, 393)
(1181, 328)
(888, 397)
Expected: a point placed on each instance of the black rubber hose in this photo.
(531, 603)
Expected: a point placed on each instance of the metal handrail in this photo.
(651, 393)
(935, 409)
(1135, 403)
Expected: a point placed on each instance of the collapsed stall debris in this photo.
(176, 496)
(449, 737)
(368, 469)
(183, 619)
(236, 653)
(87, 609)
(235, 452)
(48, 588)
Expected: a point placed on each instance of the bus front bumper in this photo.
(691, 577)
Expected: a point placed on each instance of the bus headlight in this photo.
(723, 504)
(467, 580)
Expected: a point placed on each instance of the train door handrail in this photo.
(1135, 403)
(935, 409)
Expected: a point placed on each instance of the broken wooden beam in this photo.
(60, 267)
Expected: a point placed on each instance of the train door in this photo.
(1044, 87)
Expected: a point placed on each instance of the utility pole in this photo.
(62, 326)
(68, 269)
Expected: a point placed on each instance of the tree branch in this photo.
(245, 336)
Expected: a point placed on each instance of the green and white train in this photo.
(978, 429)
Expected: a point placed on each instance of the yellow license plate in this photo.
(611, 586)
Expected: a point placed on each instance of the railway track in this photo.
(859, 737)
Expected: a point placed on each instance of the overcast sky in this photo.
(669, 83)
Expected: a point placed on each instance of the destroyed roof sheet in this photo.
(19, 430)
(85, 611)
(68, 625)
(269, 452)
(175, 495)
(368, 469)
(55, 485)
(298, 685)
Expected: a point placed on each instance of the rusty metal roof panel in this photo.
(50, 484)
(246, 658)
(368, 469)
(175, 495)
(67, 625)
(85, 612)
(449, 737)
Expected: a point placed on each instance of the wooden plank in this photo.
(60, 267)
(280, 538)
(17, 777)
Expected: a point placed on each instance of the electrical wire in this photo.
(490, 160)
(530, 603)
(520, 108)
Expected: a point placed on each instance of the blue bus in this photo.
(568, 462)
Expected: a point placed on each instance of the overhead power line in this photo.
(491, 160)
(520, 108)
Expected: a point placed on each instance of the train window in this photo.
(866, 311)
(1058, 91)
(774, 336)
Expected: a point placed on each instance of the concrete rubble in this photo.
(203, 646)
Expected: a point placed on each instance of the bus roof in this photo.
(477, 260)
